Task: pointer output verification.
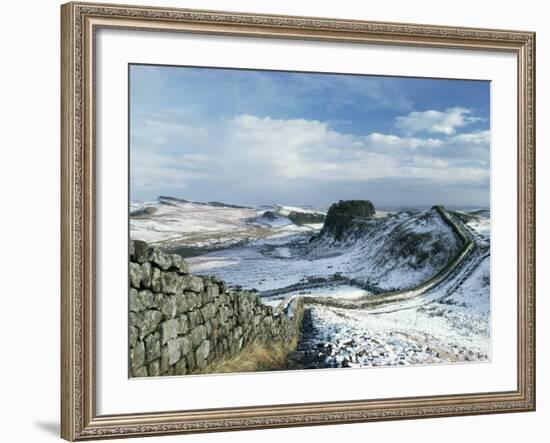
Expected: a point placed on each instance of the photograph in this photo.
(285, 220)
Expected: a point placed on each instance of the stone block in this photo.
(182, 305)
(156, 284)
(208, 310)
(154, 368)
(181, 367)
(173, 349)
(137, 355)
(169, 306)
(135, 274)
(183, 324)
(141, 372)
(131, 250)
(186, 344)
(148, 322)
(133, 335)
(202, 353)
(160, 259)
(195, 318)
(146, 273)
(141, 300)
(190, 358)
(141, 251)
(170, 329)
(198, 334)
(179, 265)
(170, 282)
(193, 283)
(212, 291)
(152, 347)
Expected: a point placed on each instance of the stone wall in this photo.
(179, 323)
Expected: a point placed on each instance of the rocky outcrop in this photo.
(340, 216)
(296, 217)
(180, 323)
(305, 218)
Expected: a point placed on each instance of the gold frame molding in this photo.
(79, 22)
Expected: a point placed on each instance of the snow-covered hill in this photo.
(395, 252)
(171, 222)
(183, 225)
(444, 323)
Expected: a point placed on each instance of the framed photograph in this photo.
(277, 221)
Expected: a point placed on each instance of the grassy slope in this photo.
(256, 356)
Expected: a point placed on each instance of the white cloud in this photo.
(250, 153)
(477, 138)
(309, 149)
(442, 122)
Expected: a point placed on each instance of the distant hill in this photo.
(170, 200)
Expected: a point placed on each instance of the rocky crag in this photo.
(180, 323)
(341, 215)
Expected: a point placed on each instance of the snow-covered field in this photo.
(441, 329)
(173, 223)
(261, 249)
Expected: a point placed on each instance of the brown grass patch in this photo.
(255, 356)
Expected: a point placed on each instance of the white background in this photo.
(29, 183)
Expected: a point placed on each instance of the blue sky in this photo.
(261, 137)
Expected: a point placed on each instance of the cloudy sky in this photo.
(262, 137)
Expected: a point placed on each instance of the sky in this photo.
(262, 137)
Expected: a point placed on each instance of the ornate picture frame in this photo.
(80, 23)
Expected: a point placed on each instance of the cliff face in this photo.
(340, 216)
(179, 323)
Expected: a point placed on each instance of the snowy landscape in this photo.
(397, 287)
(362, 199)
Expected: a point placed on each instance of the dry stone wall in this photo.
(179, 323)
